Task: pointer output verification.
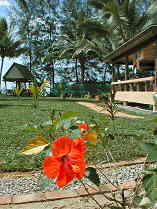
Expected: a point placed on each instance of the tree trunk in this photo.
(82, 63)
(76, 73)
(2, 62)
(53, 76)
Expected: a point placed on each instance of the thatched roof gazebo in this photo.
(18, 73)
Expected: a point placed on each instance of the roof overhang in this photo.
(138, 42)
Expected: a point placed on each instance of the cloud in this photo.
(4, 3)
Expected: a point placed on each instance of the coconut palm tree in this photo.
(125, 16)
(8, 47)
(152, 13)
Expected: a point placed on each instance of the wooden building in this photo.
(18, 73)
(139, 53)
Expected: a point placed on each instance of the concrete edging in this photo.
(64, 194)
(60, 194)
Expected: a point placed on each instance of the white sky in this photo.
(4, 3)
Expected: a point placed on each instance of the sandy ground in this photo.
(72, 203)
(101, 110)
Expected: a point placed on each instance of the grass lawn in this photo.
(16, 114)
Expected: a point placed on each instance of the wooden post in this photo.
(154, 108)
(120, 87)
(146, 86)
(138, 87)
(126, 73)
(155, 69)
(113, 80)
(6, 87)
(155, 78)
(131, 86)
(155, 75)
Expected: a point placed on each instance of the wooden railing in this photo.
(139, 84)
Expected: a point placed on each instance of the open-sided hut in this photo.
(18, 73)
(140, 51)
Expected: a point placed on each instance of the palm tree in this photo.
(124, 16)
(152, 13)
(8, 47)
(77, 42)
(125, 19)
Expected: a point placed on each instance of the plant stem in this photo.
(90, 195)
(138, 183)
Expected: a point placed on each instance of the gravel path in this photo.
(24, 185)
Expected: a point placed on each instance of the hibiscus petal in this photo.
(84, 126)
(66, 174)
(62, 146)
(78, 164)
(79, 146)
(82, 165)
(51, 166)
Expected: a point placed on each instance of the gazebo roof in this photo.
(133, 45)
(18, 72)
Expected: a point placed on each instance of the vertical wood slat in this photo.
(138, 87)
(155, 75)
(151, 85)
(126, 69)
(155, 68)
(126, 73)
(119, 87)
(146, 88)
(113, 79)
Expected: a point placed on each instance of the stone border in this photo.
(64, 194)
(122, 163)
(57, 195)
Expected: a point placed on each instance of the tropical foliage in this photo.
(9, 47)
(67, 162)
(67, 40)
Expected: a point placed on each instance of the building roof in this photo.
(136, 43)
(18, 72)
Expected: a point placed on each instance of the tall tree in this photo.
(8, 47)
(39, 30)
(125, 16)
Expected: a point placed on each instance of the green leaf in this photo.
(150, 182)
(151, 118)
(34, 130)
(67, 115)
(92, 175)
(153, 195)
(151, 149)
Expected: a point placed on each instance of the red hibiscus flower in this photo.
(84, 127)
(67, 161)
